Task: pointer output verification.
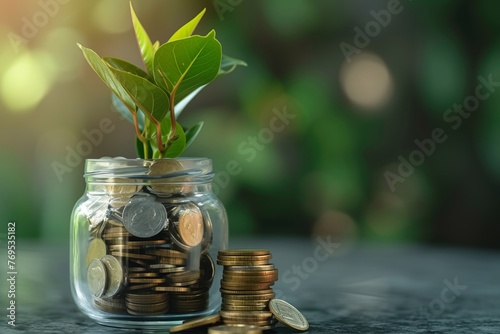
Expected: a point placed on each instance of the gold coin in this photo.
(120, 186)
(245, 286)
(198, 322)
(172, 260)
(244, 252)
(161, 266)
(115, 275)
(235, 329)
(261, 315)
(249, 279)
(121, 247)
(190, 226)
(142, 275)
(250, 268)
(187, 297)
(114, 222)
(246, 292)
(96, 250)
(134, 287)
(144, 312)
(188, 304)
(165, 167)
(251, 273)
(146, 242)
(261, 297)
(134, 255)
(184, 276)
(171, 270)
(147, 297)
(167, 253)
(111, 229)
(115, 235)
(185, 283)
(288, 315)
(260, 323)
(111, 305)
(242, 262)
(136, 269)
(244, 257)
(236, 302)
(149, 307)
(171, 288)
(148, 280)
(226, 307)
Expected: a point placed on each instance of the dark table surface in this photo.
(340, 288)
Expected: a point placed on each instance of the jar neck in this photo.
(162, 176)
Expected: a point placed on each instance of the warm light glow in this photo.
(111, 18)
(67, 57)
(26, 81)
(366, 81)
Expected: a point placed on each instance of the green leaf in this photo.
(228, 64)
(145, 45)
(103, 71)
(187, 29)
(192, 133)
(176, 148)
(146, 95)
(184, 65)
(123, 65)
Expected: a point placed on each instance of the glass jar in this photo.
(144, 240)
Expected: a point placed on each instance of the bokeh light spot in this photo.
(366, 81)
(26, 81)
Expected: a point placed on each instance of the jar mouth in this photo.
(179, 170)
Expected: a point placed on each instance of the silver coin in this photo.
(144, 217)
(288, 315)
(115, 275)
(96, 278)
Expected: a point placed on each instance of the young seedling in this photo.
(153, 97)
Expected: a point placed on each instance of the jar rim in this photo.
(184, 169)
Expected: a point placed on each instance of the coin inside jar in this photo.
(190, 226)
(96, 250)
(144, 217)
(165, 167)
(115, 275)
(96, 277)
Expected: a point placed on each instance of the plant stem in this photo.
(136, 126)
(172, 135)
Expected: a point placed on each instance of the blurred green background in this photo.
(360, 81)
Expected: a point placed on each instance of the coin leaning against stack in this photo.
(246, 287)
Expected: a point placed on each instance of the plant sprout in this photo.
(174, 72)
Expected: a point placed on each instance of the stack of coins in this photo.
(150, 257)
(246, 287)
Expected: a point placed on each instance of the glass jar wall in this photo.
(144, 239)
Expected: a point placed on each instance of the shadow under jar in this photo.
(143, 241)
